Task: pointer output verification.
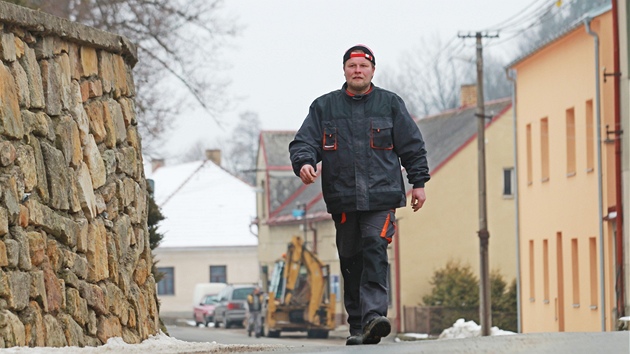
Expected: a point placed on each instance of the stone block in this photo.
(82, 236)
(72, 330)
(108, 327)
(20, 283)
(51, 83)
(54, 332)
(13, 252)
(42, 186)
(58, 176)
(4, 221)
(92, 158)
(86, 195)
(7, 153)
(7, 47)
(89, 61)
(141, 273)
(38, 289)
(12, 330)
(78, 113)
(23, 217)
(95, 297)
(34, 329)
(37, 247)
(4, 261)
(68, 141)
(76, 306)
(97, 252)
(11, 123)
(54, 291)
(19, 235)
(21, 80)
(109, 158)
(33, 73)
(44, 47)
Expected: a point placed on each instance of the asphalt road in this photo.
(538, 343)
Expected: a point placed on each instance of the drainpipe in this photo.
(602, 290)
(511, 74)
(399, 313)
(620, 284)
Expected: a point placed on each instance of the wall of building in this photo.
(446, 227)
(560, 246)
(74, 252)
(192, 266)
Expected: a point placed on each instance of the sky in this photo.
(289, 52)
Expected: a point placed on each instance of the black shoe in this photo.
(356, 339)
(377, 328)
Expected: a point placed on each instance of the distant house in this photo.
(208, 236)
(445, 229)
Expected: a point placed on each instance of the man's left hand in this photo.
(417, 198)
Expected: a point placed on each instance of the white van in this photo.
(203, 289)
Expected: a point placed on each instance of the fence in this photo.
(433, 320)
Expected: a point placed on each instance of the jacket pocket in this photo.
(381, 134)
(329, 141)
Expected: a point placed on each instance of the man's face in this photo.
(359, 73)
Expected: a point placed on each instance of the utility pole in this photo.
(485, 310)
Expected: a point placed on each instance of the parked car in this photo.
(232, 306)
(204, 311)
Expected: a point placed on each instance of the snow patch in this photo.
(468, 329)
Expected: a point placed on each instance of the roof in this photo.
(577, 24)
(204, 206)
(445, 133)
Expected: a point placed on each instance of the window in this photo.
(532, 293)
(544, 149)
(508, 182)
(570, 132)
(592, 250)
(575, 272)
(529, 155)
(218, 274)
(166, 286)
(590, 137)
(546, 270)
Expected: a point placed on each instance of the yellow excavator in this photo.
(299, 297)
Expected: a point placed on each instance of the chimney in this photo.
(468, 95)
(156, 163)
(214, 155)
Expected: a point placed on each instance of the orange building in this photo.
(566, 180)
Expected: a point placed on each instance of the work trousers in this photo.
(362, 239)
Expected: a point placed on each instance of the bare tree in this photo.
(179, 49)
(242, 148)
(430, 76)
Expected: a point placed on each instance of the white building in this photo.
(208, 236)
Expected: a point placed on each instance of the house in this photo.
(208, 236)
(568, 190)
(445, 229)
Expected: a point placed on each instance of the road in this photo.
(239, 336)
(538, 343)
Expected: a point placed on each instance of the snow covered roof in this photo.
(203, 206)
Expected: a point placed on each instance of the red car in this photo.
(204, 312)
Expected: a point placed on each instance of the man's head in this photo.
(256, 290)
(359, 65)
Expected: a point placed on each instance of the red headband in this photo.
(361, 55)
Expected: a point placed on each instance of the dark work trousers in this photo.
(362, 239)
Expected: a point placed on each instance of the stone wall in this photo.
(74, 252)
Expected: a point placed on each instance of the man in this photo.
(254, 305)
(361, 134)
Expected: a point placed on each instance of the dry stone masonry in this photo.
(74, 252)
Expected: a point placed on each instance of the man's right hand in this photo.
(308, 174)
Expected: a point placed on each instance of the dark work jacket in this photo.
(361, 141)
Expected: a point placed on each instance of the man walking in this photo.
(362, 134)
(254, 305)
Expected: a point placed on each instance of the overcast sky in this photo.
(290, 52)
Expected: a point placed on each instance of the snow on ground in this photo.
(158, 344)
(163, 344)
(467, 329)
